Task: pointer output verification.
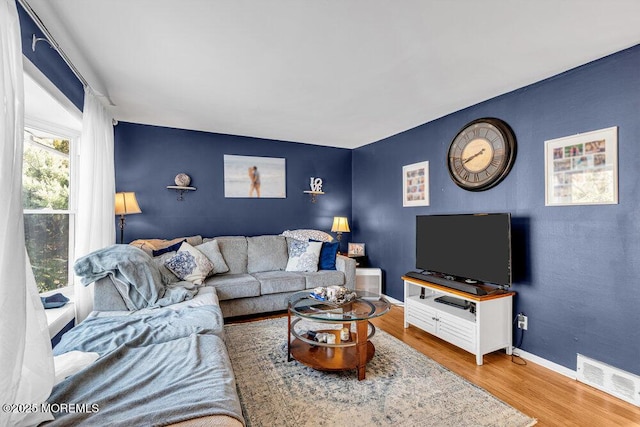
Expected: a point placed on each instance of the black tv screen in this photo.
(466, 246)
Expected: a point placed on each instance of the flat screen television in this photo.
(466, 246)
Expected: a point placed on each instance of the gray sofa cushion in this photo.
(211, 250)
(231, 286)
(324, 278)
(267, 253)
(274, 282)
(234, 251)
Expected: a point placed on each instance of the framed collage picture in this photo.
(582, 169)
(415, 184)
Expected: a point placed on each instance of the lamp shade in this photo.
(340, 225)
(126, 204)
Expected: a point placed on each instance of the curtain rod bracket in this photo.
(35, 40)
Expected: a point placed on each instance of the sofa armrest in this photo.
(106, 296)
(348, 267)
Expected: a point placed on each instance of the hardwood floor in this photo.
(551, 398)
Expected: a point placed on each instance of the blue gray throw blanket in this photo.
(154, 369)
(134, 275)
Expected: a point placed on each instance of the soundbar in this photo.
(453, 284)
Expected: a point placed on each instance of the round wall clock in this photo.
(482, 154)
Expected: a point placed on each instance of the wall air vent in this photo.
(614, 381)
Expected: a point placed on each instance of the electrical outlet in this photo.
(523, 321)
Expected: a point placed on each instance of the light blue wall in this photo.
(577, 267)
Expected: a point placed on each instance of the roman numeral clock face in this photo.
(481, 154)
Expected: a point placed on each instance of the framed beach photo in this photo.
(252, 176)
(415, 184)
(582, 169)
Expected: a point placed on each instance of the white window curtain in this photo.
(96, 191)
(25, 347)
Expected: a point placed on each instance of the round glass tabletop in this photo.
(365, 305)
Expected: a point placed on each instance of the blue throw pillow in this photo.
(172, 248)
(328, 254)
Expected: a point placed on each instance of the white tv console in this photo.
(482, 329)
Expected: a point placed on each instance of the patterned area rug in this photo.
(403, 387)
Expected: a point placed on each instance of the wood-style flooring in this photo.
(553, 399)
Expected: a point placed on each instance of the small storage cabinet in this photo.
(369, 280)
(482, 328)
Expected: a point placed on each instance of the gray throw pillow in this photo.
(211, 250)
(267, 253)
(234, 252)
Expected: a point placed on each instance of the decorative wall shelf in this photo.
(181, 190)
(315, 190)
(314, 194)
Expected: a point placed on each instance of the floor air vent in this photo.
(614, 381)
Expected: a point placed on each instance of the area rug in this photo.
(402, 387)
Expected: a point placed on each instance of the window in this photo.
(51, 136)
(48, 216)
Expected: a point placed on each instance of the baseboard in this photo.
(546, 363)
(393, 300)
(525, 355)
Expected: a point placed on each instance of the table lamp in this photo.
(340, 225)
(126, 204)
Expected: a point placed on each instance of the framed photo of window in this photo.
(582, 169)
(415, 184)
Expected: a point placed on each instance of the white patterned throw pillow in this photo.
(303, 256)
(189, 264)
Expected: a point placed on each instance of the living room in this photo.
(573, 266)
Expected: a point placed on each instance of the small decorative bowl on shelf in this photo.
(182, 180)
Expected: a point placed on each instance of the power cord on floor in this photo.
(515, 357)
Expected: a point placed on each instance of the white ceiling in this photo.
(338, 73)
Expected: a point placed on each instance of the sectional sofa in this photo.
(167, 364)
(253, 273)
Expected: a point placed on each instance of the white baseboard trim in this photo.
(393, 300)
(525, 355)
(546, 363)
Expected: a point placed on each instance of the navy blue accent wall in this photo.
(577, 268)
(148, 158)
(48, 61)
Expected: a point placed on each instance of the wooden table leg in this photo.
(361, 347)
(289, 336)
(346, 309)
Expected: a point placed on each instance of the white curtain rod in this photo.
(49, 38)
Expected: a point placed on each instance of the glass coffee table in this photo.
(322, 318)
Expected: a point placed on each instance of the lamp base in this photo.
(122, 229)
